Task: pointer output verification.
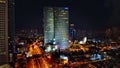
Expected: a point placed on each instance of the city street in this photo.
(35, 58)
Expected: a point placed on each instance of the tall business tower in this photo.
(48, 24)
(7, 24)
(56, 25)
(3, 32)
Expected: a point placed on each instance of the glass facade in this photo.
(60, 25)
(48, 24)
(3, 32)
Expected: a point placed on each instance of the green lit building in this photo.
(56, 25)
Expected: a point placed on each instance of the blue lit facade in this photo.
(72, 32)
(59, 25)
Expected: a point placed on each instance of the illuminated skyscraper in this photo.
(6, 31)
(56, 25)
(48, 24)
(72, 32)
(3, 32)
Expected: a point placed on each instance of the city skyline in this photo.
(60, 33)
(84, 14)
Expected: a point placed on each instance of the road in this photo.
(36, 59)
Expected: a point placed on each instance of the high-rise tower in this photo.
(7, 23)
(3, 32)
(48, 24)
(72, 32)
(56, 25)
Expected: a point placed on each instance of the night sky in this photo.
(85, 14)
